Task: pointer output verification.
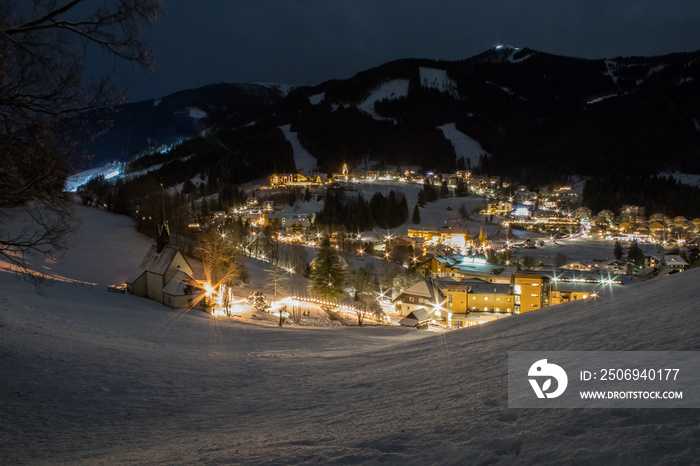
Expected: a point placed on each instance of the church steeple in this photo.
(163, 235)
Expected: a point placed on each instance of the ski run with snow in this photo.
(91, 377)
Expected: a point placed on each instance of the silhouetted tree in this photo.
(415, 218)
(44, 51)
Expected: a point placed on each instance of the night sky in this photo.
(309, 41)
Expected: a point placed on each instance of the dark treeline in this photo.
(231, 156)
(349, 135)
(657, 194)
(357, 214)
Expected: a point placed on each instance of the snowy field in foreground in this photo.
(90, 377)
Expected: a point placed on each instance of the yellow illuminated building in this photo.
(530, 292)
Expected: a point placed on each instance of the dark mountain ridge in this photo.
(540, 118)
(121, 132)
(538, 115)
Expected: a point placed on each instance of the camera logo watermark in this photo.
(547, 372)
(603, 379)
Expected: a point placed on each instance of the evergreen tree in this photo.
(463, 211)
(617, 250)
(403, 209)
(444, 190)
(415, 219)
(327, 274)
(421, 198)
(635, 256)
(461, 188)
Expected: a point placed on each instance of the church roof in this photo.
(155, 262)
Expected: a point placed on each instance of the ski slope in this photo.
(304, 161)
(91, 377)
(390, 90)
(464, 146)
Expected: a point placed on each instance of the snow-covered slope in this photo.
(388, 90)
(90, 377)
(464, 146)
(433, 78)
(304, 161)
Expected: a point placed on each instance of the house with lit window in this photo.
(564, 292)
(423, 295)
(471, 295)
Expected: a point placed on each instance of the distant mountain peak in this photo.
(505, 47)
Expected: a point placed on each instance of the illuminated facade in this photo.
(530, 292)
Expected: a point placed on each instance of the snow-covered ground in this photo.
(432, 78)
(684, 178)
(388, 90)
(464, 146)
(109, 171)
(91, 377)
(304, 161)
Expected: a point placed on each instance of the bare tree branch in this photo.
(44, 50)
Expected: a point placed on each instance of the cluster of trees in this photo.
(349, 135)
(390, 211)
(228, 154)
(634, 258)
(330, 280)
(657, 194)
(433, 190)
(357, 214)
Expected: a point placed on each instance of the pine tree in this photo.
(635, 256)
(421, 198)
(415, 219)
(444, 190)
(327, 274)
(617, 250)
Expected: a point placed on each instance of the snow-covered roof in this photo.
(674, 260)
(425, 289)
(417, 317)
(489, 288)
(155, 262)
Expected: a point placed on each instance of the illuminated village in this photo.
(499, 259)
